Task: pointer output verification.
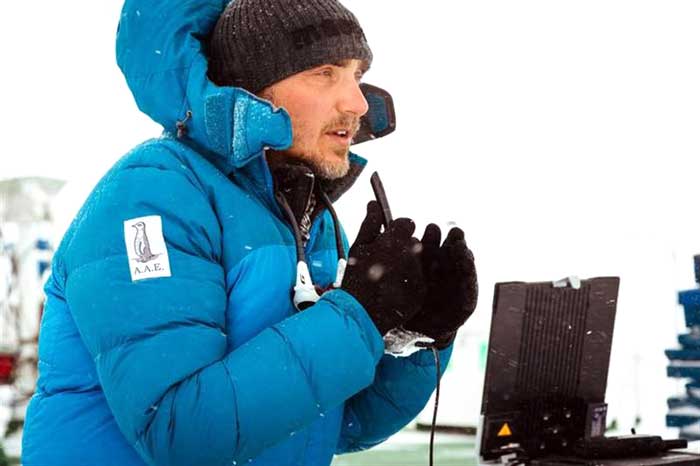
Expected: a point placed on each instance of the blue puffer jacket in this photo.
(210, 365)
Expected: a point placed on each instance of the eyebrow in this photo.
(346, 63)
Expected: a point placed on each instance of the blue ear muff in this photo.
(380, 119)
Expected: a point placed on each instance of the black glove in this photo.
(384, 271)
(452, 286)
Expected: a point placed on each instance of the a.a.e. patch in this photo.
(145, 246)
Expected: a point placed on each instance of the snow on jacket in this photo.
(210, 365)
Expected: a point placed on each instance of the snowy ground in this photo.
(411, 448)
(407, 448)
(13, 445)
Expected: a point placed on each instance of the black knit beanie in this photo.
(258, 42)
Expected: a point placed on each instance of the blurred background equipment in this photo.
(25, 261)
(684, 410)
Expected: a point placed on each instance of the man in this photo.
(174, 332)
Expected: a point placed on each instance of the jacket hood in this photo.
(161, 54)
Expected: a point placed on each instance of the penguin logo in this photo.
(142, 236)
(141, 244)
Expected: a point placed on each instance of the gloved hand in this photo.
(384, 271)
(452, 286)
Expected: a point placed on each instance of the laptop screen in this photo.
(547, 365)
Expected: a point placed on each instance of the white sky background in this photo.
(561, 136)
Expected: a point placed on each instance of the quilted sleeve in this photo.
(398, 394)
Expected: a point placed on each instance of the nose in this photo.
(353, 100)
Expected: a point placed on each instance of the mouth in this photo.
(341, 136)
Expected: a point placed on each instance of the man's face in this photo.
(325, 104)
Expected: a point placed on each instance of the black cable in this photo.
(432, 347)
(282, 201)
(675, 444)
(437, 400)
(681, 452)
(522, 459)
(336, 224)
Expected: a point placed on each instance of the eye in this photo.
(326, 72)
